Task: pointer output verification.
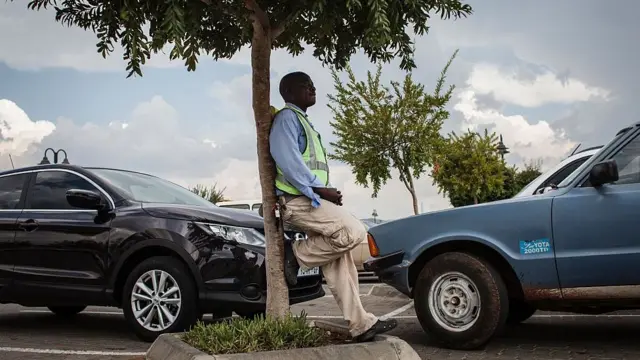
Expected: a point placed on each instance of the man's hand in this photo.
(330, 194)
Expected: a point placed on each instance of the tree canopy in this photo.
(220, 28)
(381, 128)
(469, 166)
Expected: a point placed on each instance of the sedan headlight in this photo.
(233, 233)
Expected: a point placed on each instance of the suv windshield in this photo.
(149, 189)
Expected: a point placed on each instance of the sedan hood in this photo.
(491, 220)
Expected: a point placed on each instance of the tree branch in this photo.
(280, 28)
(258, 13)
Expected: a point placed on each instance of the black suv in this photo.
(75, 236)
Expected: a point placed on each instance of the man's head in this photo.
(297, 88)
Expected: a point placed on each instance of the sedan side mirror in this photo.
(603, 173)
(85, 199)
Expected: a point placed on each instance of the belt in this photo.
(284, 199)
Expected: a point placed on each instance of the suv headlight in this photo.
(235, 234)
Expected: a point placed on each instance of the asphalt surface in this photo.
(102, 333)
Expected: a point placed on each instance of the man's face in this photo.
(306, 93)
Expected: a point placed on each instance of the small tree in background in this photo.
(514, 181)
(530, 172)
(213, 194)
(469, 166)
(220, 28)
(379, 128)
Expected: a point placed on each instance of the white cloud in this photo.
(150, 140)
(508, 87)
(34, 40)
(527, 141)
(18, 131)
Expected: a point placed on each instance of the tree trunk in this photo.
(412, 190)
(475, 199)
(415, 202)
(277, 289)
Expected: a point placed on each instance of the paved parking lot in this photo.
(102, 333)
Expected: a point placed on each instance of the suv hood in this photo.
(213, 214)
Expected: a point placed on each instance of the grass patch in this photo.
(259, 334)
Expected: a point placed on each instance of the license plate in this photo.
(310, 272)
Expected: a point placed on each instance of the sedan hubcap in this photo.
(156, 300)
(454, 301)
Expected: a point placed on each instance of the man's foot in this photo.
(380, 327)
(291, 265)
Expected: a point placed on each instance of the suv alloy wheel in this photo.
(160, 297)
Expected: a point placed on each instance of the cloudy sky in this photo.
(547, 75)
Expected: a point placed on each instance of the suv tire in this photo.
(160, 289)
(460, 300)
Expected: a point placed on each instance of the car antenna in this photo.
(10, 158)
(576, 149)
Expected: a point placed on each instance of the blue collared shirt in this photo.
(287, 142)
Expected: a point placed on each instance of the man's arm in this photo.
(283, 142)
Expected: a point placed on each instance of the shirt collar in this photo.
(297, 108)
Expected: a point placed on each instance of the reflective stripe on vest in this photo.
(314, 157)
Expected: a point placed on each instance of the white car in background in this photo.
(555, 175)
(360, 253)
(253, 204)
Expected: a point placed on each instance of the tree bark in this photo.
(407, 180)
(412, 190)
(277, 289)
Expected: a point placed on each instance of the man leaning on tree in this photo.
(308, 202)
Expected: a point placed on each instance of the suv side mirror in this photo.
(85, 199)
(603, 172)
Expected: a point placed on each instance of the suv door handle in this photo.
(28, 225)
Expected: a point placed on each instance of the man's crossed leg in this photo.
(332, 232)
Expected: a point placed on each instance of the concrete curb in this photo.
(384, 347)
(386, 291)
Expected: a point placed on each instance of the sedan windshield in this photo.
(149, 189)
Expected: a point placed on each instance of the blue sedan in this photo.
(473, 269)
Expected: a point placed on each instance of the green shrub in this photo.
(252, 335)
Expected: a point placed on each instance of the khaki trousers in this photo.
(332, 232)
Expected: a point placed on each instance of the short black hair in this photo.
(290, 80)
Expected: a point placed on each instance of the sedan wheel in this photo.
(454, 302)
(160, 297)
(461, 301)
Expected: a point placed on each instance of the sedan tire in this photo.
(519, 311)
(160, 297)
(461, 301)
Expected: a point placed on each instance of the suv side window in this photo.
(49, 191)
(10, 190)
(628, 161)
